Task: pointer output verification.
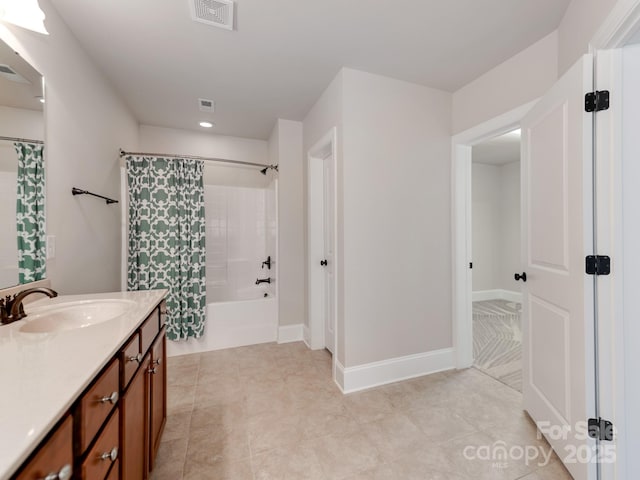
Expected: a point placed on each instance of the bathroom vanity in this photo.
(84, 387)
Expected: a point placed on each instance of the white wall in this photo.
(580, 23)
(485, 189)
(517, 81)
(204, 144)
(396, 227)
(86, 122)
(285, 149)
(496, 226)
(326, 114)
(511, 231)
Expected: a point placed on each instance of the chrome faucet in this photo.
(11, 308)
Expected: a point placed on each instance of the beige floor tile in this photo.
(341, 456)
(296, 463)
(183, 360)
(269, 432)
(553, 471)
(182, 375)
(368, 406)
(177, 426)
(273, 412)
(221, 470)
(209, 445)
(394, 435)
(406, 471)
(440, 424)
(227, 417)
(180, 399)
(171, 455)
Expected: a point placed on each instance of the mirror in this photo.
(22, 187)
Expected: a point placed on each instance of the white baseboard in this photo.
(497, 294)
(290, 333)
(361, 377)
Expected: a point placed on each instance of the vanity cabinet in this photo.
(158, 394)
(133, 418)
(114, 427)
(54, 459)
(144, 401)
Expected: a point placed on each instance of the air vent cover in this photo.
(218, 13)
(206, 105)
(10, 74)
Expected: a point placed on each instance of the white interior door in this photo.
(329, 255)
(558, 365)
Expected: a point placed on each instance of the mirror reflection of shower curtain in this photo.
(30, 215)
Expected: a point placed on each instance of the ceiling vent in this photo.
(205, 105)
(10, 74)
(218, 13)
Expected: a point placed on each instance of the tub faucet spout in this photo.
(263, 280)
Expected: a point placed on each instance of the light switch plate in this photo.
(51, 247)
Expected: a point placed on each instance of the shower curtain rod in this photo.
(24, 140)
(192, 157)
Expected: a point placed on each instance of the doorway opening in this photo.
(321, 238)
(497, 298)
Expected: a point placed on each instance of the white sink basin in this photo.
(72, 315)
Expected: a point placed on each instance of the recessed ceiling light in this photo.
(206, 124)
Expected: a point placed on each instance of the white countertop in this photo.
(42, 374)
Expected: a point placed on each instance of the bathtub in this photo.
(251, 319)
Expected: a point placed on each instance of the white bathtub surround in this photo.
(233, 324)
(49, 370)
(241, 234)
(373, 374)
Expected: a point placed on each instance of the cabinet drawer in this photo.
(104, 452)
(149, 330)
(54, 457)
(130, 358)
(96, 404)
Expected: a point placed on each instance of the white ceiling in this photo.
(499, 150)
(284, 53)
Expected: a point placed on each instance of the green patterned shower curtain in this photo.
(167, 238)
(30, 217)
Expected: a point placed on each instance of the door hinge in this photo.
(596, 101)
(601, 429)
(597, 265)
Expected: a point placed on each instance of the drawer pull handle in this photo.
(112, 455)
(136, 358)
(152, 370)
(113, 398)
(157, 362)
(64, 474)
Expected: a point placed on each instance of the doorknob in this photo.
(522, 276)
(323, 263)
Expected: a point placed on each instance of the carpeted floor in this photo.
(497, 340)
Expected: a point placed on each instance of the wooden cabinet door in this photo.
(158, 395)
(134, 427)
(55, 456)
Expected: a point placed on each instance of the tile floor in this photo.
(272, 412)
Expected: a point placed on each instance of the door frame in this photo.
(314, 336)
(614, 33)
(461, 231)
